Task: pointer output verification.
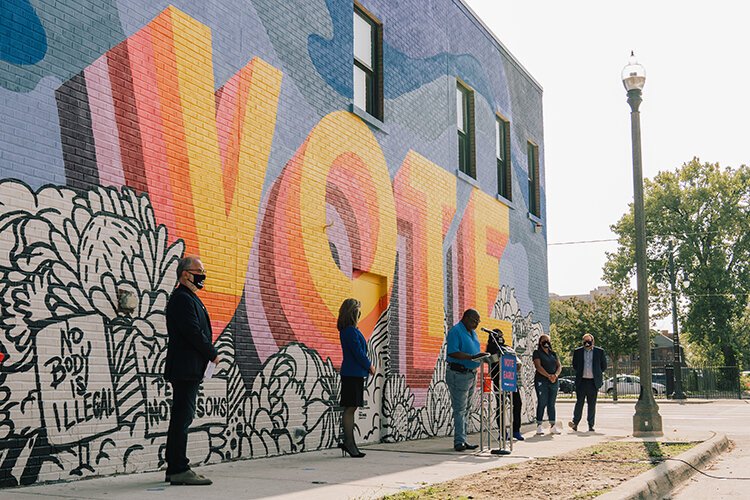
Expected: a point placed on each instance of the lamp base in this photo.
(647, 423)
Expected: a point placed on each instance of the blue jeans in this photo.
(546, 395)
(461, 387)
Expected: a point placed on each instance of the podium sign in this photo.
(508, 373)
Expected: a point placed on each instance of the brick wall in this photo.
(134, 133)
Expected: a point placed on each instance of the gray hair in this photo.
(184, 264)
(348, 314)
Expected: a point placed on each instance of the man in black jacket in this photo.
(589, 362)
(189, 350)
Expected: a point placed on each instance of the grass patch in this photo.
(428, 492)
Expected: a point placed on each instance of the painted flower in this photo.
(400, 418)
(292, 403)
(436, 416)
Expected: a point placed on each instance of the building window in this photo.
(502, 152)
(533, 164)
(465, 126)
(368, 74)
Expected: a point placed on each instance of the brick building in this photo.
(307, 151)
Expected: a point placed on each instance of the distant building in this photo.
(662, 351)
(600, 291)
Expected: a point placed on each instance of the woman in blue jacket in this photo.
(354, 369)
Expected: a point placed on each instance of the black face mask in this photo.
(198, 280)
(546, 345)
(587, 344)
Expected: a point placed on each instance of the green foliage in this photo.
(701, 214)
(611, 319)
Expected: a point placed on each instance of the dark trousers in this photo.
(516, 411)
(184, 394)
(585, 390)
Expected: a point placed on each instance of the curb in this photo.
(663, 478)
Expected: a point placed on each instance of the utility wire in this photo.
(559, 243)
(646, 460)
(605, 240)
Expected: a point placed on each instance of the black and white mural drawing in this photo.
(81, 391)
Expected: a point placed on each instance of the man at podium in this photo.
(462, 345)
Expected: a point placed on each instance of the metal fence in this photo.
(709, 382)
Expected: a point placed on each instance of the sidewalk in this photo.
(659, 401)
(388, 468)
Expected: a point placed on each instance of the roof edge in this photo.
(494, 39)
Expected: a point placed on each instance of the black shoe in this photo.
(468, 446)
(573, 425)
(354, 453)
(460, 447)
(591, 428)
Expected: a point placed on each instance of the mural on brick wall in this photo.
(159, 163)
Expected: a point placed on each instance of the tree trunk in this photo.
(730, 358)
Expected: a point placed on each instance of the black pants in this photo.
(184, 394)
(585, 390)
(516, 412)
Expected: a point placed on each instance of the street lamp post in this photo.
(646, 421)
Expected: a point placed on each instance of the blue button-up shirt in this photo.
(588, 363)
(459, 339)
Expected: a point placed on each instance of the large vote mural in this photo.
(153, 150)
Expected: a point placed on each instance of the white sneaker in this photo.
(539, 430)
(553, 429)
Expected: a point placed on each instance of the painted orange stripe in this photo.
(145, 89)
(165, 63)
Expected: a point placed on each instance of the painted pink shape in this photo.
(154, 147)
(403, 301)
(263, 340)
(103, 124)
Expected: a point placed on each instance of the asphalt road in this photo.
(730, 417)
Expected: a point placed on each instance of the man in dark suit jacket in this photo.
(189, 350)
(589, 362)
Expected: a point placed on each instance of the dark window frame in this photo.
(532, 159)
(466, 138)
(504, 171)
(374, 74)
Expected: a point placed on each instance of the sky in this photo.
(696, 103)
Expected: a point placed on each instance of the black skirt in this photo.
(352, 391)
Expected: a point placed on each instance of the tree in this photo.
(561, 314)
(703, 211)
(742, 330)
(612, 320)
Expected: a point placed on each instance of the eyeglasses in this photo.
(199, 271)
